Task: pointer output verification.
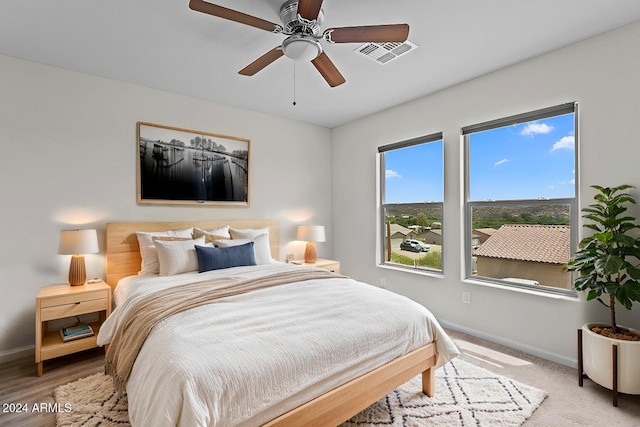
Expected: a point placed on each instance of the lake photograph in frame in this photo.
(183, 166)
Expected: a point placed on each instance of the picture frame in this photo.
(188, 167)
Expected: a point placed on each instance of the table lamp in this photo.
(77, 243)
(311, 234)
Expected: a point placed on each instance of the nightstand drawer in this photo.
(72, 298)
(74, 309)
(327, 264)
(335, 267)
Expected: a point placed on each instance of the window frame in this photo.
(382, 205)
(469, 204)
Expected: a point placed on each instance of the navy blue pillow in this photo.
(212, 258)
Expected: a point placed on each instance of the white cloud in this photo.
(499, 162)
(392, 174)
(536, 128)
(572, 181)
(565, 143)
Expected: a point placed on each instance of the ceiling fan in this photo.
(301, 21)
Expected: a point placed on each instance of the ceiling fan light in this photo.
(301, 49)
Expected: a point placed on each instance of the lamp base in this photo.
(310, 255)
(77, 271)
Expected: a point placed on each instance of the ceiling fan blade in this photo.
(232, 15)
(329, 71)
(368, 33)
(262, 62)
(309, 9)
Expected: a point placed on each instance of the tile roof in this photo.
(525, 242)
(487, 231)
(397, 228)
(437, 231)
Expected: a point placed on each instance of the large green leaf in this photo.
(624, 198)
(596, 218)
(623, 298)
(584, 283)
(632, 289)
(609, 265)
(595, 209)
(593, 227)
(634, 272)
(622, 239)
(593, 294)
(603, 237)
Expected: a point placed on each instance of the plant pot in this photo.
(598, 364)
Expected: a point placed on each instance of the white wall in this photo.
(68, 158)
(602, 74)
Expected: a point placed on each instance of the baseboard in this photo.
(516, 345)
(17, 353)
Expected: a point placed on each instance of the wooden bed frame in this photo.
(332, 408)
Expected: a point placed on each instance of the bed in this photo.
(274, 355)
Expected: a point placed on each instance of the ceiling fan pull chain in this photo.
(294, 83)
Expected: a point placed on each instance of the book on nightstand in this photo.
(75, 332)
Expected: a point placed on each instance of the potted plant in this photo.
(607, 263)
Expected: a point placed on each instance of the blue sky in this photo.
(415, 174)
(525, 161)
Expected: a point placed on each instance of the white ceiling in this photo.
(165, 45)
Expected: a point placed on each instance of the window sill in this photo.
(407, 269)
(565, 297)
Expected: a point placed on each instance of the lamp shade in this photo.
(74, 242)
(311, 233)
(77, 243)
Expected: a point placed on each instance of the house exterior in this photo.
(431, 237)
(400, 233)
(528, 254)
(483, 234)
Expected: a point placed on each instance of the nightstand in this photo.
(327, 264)
(60, 301)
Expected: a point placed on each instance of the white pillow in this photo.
(211, 235)
(247, 233)
(222, 231)
(261, 247)
(150, 264)
(178, 256)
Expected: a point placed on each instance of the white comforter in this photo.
(246, 359)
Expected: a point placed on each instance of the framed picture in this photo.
(182, 166)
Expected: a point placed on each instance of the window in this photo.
(412, 193)
(520, 185)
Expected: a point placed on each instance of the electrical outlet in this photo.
(466, 297)
(289, 257)
(383, 282)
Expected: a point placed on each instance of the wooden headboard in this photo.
(123, 252)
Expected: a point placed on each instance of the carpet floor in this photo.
(466, 395)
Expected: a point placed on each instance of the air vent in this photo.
(384, 53)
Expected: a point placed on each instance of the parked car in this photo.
(414, 246)
(423, 246)
(408, 245)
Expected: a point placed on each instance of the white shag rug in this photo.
(465, 395)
